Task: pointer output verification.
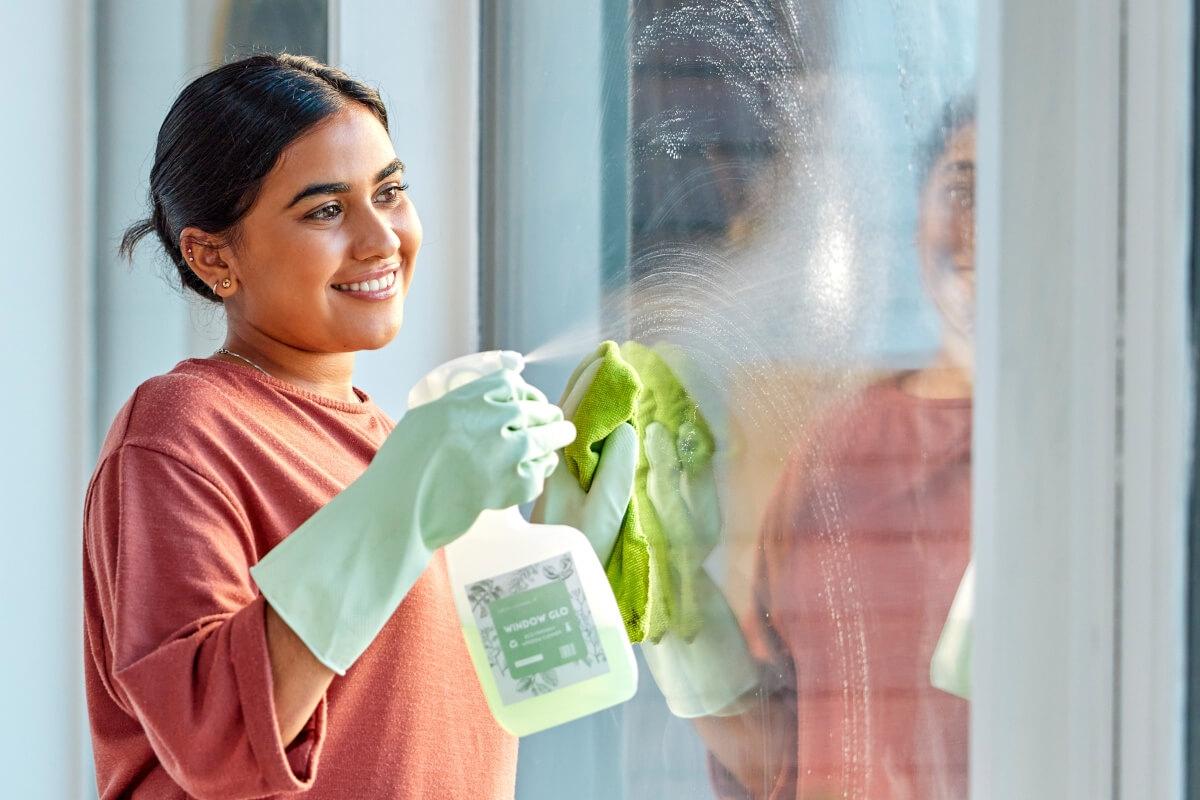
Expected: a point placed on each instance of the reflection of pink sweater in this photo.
(204, 470)
(861, 553)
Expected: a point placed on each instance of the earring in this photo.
(225, 284)
(190, 257)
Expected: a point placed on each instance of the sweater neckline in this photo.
(365, 407)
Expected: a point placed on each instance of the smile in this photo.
(375, 286)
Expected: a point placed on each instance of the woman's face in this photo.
(946, 240)
(331, 213)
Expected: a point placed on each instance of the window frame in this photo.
(1083, 399)
(1158, 400)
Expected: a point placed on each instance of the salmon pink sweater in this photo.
(860, 554)
(204, 470)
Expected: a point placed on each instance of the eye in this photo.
(961, 195)
(392, 192)
(326, 212)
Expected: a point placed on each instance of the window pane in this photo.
(778, 200)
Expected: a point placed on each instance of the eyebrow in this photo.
(395, 166)
(962, 165)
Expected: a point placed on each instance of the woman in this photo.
(266, 610)
(862, 549)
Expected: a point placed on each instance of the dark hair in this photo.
(223, 135)
(956, 114)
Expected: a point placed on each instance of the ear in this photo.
(205, 254)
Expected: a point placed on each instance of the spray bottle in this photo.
(536, 610)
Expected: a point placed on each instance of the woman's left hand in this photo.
(600, 511)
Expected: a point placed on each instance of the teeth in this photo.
(373, 285)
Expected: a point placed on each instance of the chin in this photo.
(379, 337)
(375, 342)
(960, 351)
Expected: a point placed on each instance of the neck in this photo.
(944, 379)
(327, 374)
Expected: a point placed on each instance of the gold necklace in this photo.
(229, 352)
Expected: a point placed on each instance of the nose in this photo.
(375, 237)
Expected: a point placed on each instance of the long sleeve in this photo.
(176, 631)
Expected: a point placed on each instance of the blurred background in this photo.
(779, 196)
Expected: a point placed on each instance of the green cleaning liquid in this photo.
(537, 613)
(546, 710)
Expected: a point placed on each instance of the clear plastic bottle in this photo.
(536, 610)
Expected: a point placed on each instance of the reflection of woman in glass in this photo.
(863, 547)
(265, 609)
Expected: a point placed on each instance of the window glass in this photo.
(777, 200)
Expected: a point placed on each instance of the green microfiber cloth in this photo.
(665, 401)
(633, 384)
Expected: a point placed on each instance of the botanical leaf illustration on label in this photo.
(537, 629)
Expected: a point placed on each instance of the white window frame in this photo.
(1159, 405)
(1083, 405)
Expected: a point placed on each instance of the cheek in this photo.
(948, 231)
(933, 230)
(315, 245)
(964, 226)
(301, 265)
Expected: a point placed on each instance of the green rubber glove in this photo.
(486, 445)
(599, 511)
(688, 508)
(711, 673)
(950, 667)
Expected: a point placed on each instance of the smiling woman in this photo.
(316, 193)
(254, 520)
(357, 228)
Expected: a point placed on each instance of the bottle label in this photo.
(537, 629)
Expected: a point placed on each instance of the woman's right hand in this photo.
(337, 578)
(489, 444)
